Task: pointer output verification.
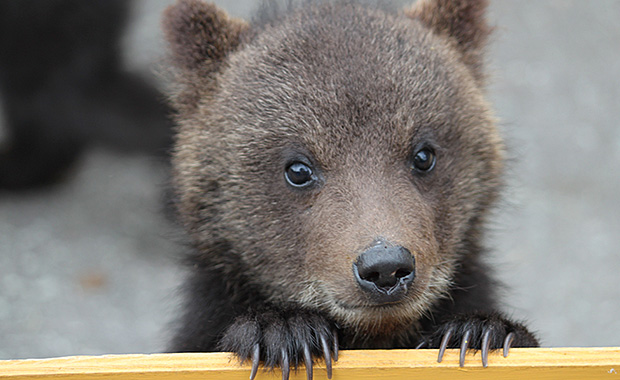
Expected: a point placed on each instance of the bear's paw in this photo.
(282, 339)
(484, 332)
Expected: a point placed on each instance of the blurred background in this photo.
(88, 265)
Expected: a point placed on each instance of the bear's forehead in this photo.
(333, 50)
(344, 75)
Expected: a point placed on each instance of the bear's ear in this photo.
(200, 34)
(461, 21)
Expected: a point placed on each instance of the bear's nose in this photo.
(384, 272)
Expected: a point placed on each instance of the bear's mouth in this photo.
(384, 305)
(360, 302)
(370, 306)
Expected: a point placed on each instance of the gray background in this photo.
(88, 267)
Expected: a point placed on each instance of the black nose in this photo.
(385, 271)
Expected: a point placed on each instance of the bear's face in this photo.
(334, 130)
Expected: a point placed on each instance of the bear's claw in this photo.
(508, 342)
(327, 355)
(255, 361)
(479, 332)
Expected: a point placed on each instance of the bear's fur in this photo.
(354, 93)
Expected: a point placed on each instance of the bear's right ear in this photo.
(200, 35)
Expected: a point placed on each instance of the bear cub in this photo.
(335, 165)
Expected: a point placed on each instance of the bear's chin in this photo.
(373, 322)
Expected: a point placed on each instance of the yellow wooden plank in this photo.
(523, 363)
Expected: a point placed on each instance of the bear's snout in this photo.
(384, 272)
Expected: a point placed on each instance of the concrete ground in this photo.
(88, 267)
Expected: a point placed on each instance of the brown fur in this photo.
(200, 37)
(354, 90)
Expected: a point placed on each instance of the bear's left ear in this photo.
(461, 21)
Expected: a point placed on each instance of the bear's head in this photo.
(337, 156)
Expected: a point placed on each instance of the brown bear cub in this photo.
(335, 165)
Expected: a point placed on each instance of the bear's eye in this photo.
(424, 160)
(299, 174)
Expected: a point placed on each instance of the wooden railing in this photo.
(522, 364)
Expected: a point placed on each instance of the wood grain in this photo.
(524, 363)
